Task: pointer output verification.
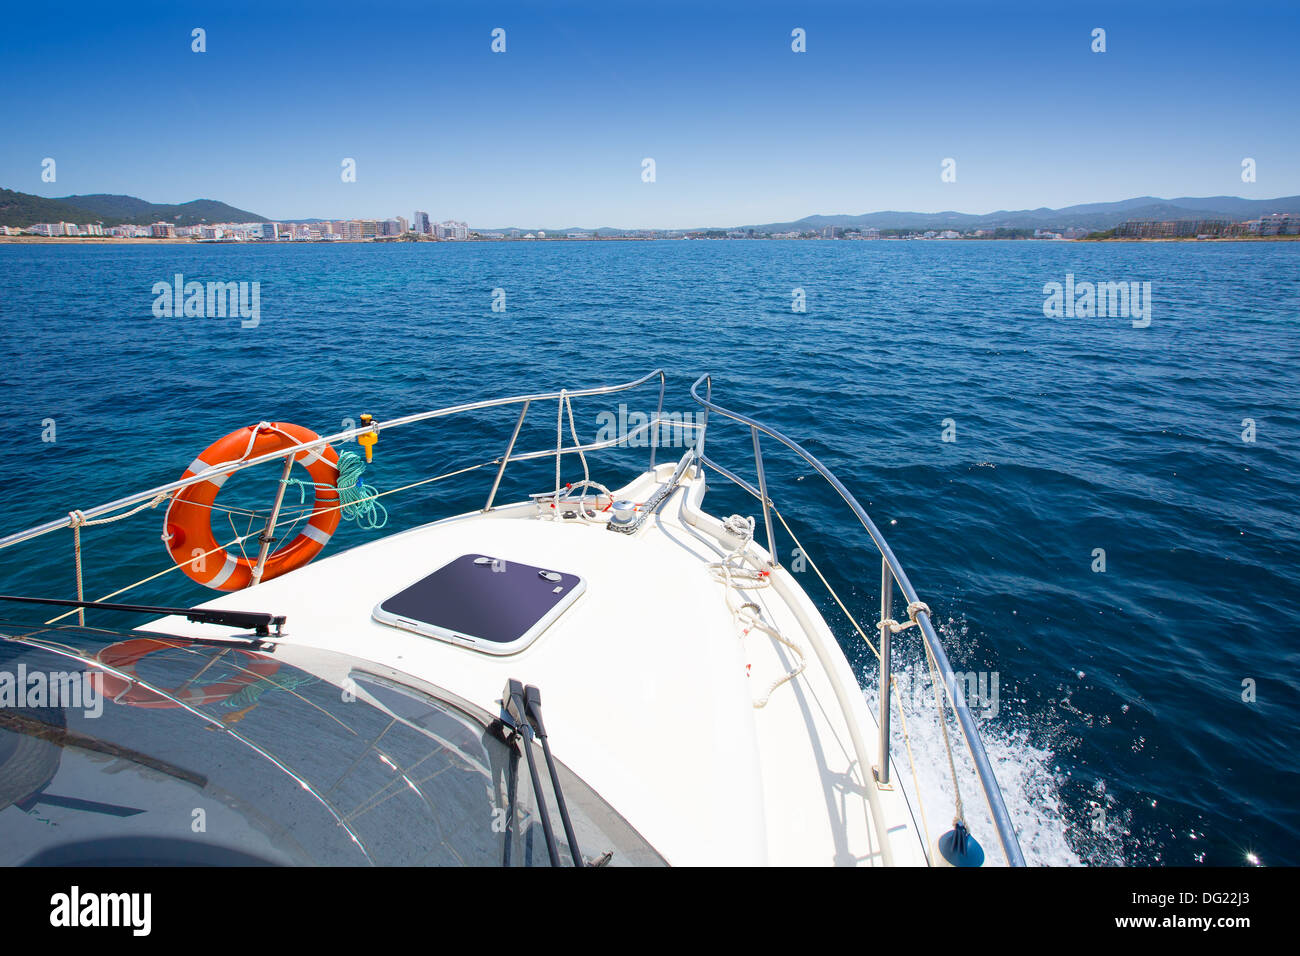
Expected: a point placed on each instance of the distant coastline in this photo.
(1290, 238)
(122, 217)
(386, 241)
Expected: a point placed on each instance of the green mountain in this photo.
(22, 209)
(114, 210)
(1100, 215)
(1091, 216)
(117, 208)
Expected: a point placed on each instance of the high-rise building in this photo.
(421, 223)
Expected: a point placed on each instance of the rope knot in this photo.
(76, 519)
(741, 526)
(913, 609)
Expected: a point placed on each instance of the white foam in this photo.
(1024, 766)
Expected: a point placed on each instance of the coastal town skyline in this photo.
(1270, 226)
(1156, 219)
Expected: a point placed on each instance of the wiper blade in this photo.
(259, 621)
(512, 700)
(533, 709)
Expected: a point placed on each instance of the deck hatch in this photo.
(482, 601)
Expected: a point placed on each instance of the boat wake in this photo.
(1023, 751)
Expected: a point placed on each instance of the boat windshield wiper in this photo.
(523, 705)
(533, 709)
(260, 622)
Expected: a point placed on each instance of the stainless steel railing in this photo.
(351, 434)
(891, 572)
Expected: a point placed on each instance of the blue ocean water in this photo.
(1122, 714)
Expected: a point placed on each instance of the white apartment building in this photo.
(451, 229)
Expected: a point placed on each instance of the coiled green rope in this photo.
(359, 501)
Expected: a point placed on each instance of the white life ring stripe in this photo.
(316, 534)
(198, 466)
(226, 571)
(311, 456)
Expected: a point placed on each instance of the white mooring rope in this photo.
(738, 571)
(77, 520)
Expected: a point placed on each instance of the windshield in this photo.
(134, 748)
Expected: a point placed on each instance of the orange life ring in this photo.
(187, 527)
(124, 655)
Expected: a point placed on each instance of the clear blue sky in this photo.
(742, 130)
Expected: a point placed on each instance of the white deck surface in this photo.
(648, 684)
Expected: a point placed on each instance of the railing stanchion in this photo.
(506, 458)
(658, 427)
(704, 425)
(762, 490)
(886, 633)
(559, 449)
(268, 533)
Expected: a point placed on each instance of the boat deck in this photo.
(649, 684)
